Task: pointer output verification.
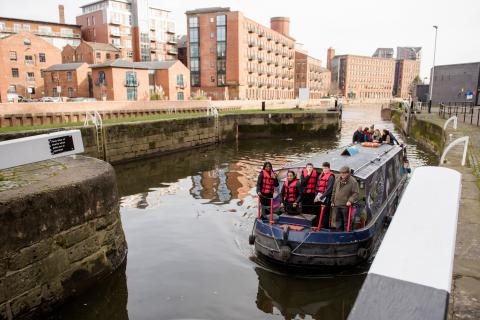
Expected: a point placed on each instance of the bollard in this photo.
(263, 105)
(430, 106)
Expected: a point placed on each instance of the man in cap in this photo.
(345, 194)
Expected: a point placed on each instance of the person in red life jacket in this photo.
(291, 193)
(325, 183)
(266, 183)
(308, 183)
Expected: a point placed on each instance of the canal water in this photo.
(187, 217)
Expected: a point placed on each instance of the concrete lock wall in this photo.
(60, 230)
(136, 140)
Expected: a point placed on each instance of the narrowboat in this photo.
(299, 241)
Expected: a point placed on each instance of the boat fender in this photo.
(285, 252)
(251, 239)
(363, 253)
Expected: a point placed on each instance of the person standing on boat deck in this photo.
(366, 135)
(266, 183)
(358, 136)
(309, 186)
(291, 193)
(325, 183)
(344, 196)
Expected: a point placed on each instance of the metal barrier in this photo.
(466, 112)
(411, 275)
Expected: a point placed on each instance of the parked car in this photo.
(81, 99)
(50, 99)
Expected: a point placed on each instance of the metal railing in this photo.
(464, 111)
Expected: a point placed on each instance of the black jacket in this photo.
(358, 137)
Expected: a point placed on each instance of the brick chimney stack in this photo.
(281, 25)
(61, 13)
(330, 55)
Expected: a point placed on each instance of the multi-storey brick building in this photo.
(140, 30)
(90, 52)
(23, 57)
(405, 73)
(233, 57)
(363, 77)
(126, 80)
(68, 80)
(309, 74)
(57, 34)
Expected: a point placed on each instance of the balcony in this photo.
(171, 30)
(116, 21)
(261, 46)
(171, 40)
(260, 59)
(251, 56)
(251, 43)
(172, 52)
(132, 83)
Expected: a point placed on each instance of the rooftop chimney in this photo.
(61, 13)
(281, 25)
(330, 55)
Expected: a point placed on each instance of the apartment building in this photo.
(310, 74)
(142, 32)
(409, 53)
(361, 77)
(405, 73)
(91, 53)
(383, 53)
(23, 58)
(68, 80)
(127, 80)
(233, 57)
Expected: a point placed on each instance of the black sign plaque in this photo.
(61, 144)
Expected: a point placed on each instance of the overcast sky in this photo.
(349, 26)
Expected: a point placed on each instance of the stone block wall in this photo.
(60, 230)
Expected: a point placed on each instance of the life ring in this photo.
(370, 144)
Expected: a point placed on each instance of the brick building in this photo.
(233, 57)
(68, 80)
(126, 80)
(405, 73)
(310, 74)
(57, 34)
(91, 53)
(23, 57)
(363, 77)
(141, 31)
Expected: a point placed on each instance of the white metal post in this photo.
(433, 68)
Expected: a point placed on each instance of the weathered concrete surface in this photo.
(135, 140)
(465, 294)
(60, 230)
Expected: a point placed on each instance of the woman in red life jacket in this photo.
(309, 187)
(266, 183)
(291, 193)
(325, 183)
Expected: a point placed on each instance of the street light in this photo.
(433, 71)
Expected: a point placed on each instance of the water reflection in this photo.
(294, 297)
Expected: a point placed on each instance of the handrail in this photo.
(454, 119)
(454, 143)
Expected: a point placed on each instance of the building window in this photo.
(193, 22)
(42, 74)
(108, 56)
(28, 59)
(88, 21)
(12, 89)
(69, 75)
(212, 20)
(221, 34)
(221, 50)
(13, 55)
(102, 80)
(212, 35)
(98, 55)
(194, 50)
(70, 92)
(131, 79)
(193, 34)
(54, 92)
(30, 76)
(180, 80)
(117, 56)
(130, 54)
(41, 57)
(93, 20)
(15, 73)
(180, 96)
(17, 27)
(195, 79)
(132, 93)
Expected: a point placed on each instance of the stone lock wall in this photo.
(60, 230)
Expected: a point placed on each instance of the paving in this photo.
(465, 293)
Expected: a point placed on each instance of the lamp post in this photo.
(433, 71)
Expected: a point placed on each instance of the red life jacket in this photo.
(268, 183)
(311, 184)
(323, 181)
(290, 194)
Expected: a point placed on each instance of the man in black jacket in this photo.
(358, 136)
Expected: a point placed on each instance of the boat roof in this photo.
(364, 161)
